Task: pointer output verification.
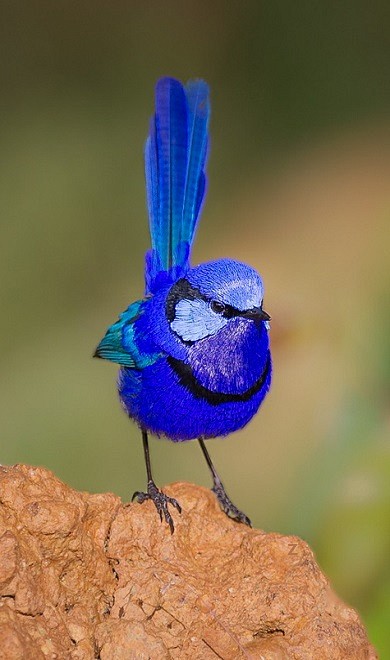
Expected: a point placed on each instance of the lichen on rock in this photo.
(84, 576)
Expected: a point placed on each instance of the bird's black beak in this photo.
(257, 314)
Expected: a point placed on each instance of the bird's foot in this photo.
(227, 505)
(160, 501)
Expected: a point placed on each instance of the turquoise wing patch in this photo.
(119, 343)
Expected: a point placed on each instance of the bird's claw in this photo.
(227, 505)
(160, 501)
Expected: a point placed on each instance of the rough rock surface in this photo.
(84, 576)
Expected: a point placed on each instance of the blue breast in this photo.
(232, 360)
(211, 389)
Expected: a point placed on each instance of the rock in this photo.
(84, 576)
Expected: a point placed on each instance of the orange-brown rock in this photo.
(84, 576)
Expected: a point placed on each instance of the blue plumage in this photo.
(194, 353)
(175, 155)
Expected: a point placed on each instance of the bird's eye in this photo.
(217, 307)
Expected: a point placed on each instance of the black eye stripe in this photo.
(227, 311)
(183, 290)
(230, 312)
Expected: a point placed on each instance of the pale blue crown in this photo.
(229, 282)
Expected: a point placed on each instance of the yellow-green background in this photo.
(299, 186)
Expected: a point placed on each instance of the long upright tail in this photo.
(175, 158)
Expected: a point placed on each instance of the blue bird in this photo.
(194, 353)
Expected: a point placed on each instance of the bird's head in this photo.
(211, 295)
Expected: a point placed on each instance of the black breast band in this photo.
(189, 380)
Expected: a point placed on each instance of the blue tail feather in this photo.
(197, 97)
(175, 156)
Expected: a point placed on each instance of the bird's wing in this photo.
(119, 343)
(175, 158)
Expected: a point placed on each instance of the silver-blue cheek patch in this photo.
(195, 320)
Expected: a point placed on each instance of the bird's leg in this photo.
(159, 498)
(218, 489)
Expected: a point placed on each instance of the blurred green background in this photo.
(298, 187)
